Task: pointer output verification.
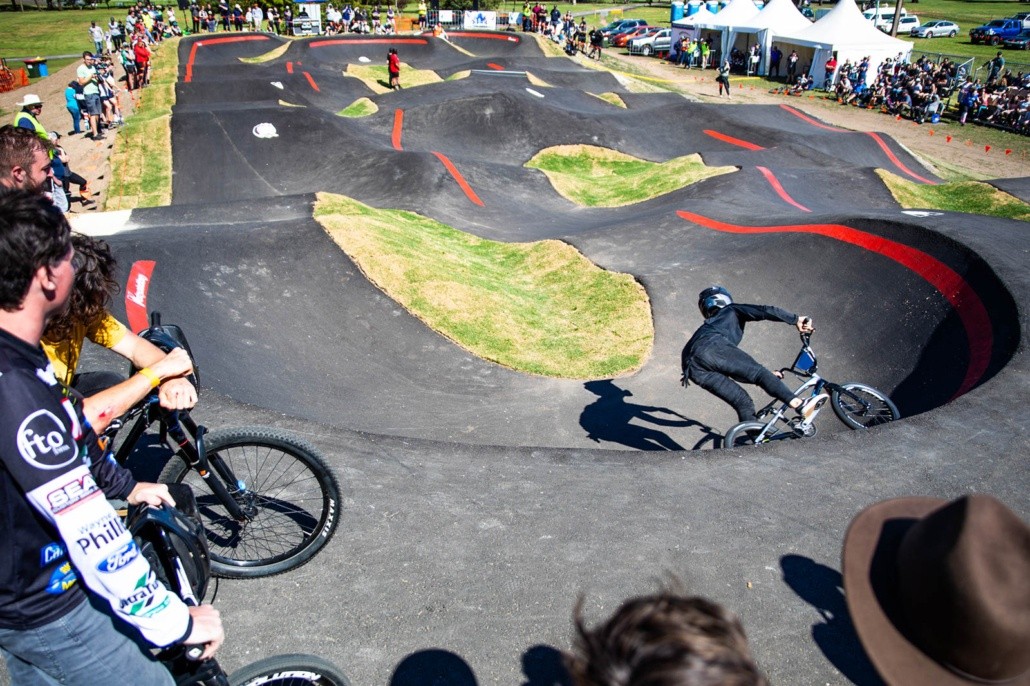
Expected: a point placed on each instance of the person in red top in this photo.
(831, 69)
(142, 55)
(393, 65)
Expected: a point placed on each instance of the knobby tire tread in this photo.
(248, 449)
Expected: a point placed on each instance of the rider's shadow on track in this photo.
(610, 417)
(823, 588)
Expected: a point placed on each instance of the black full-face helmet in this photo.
(713, 299)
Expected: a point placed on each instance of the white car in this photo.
(905, 25)
(935, 28)
(649, 45)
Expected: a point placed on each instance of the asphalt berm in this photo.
(480, 502)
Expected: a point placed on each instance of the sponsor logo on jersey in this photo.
(43, 443)
(119, 558)
(49, 553)
(100, 534)
(141, 601)
(71, 493)
(47, 375)
(61, 580)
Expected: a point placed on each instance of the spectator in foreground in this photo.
(665, 639)
(24, 160)
(938, 591)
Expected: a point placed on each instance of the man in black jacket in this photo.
(712, 360)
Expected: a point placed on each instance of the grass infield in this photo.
(973, 197)
(539, 307)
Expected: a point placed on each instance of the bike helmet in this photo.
(713, 299)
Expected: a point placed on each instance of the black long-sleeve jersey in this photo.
(728, 325)
(58, 528)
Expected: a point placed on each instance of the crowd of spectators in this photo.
(926, 90)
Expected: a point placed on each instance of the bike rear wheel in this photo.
(745, 434)
(289, 670)
(290, 495)
(862, 406)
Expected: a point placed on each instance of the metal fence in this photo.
(975, 67)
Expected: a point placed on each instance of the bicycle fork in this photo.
(196, 457)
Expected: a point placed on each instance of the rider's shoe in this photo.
(808, 408)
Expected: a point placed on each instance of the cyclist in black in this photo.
(62, 538)
(712, 360)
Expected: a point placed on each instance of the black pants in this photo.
(715, 367)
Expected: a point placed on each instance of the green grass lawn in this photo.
(539, 307)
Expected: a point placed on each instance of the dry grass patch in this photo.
(601, 177)
(972, 197)
(377, 77)
(538, 307)
(362, 107)
(268, 56)
(611, 99)
(141, 162)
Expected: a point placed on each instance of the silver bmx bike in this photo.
(858, 405)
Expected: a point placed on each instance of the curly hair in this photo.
(664, 639)
(94, 285)
(33, 234)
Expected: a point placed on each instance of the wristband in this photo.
(150, 374)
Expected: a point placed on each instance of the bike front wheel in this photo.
(746, 433)
(289, 495)
(289, 670)
(860, 406)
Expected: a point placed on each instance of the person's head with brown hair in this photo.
(665, 639)
(94, 285)
(24, 159)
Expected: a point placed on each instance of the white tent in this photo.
(735, 13)
(689, 25)
(776, 18)
(845, 32)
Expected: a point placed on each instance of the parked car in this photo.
(905, 25)
(621, 39)
(935, 28)
(995, 31)
(1020, 41)
(606, 31)
(649, 45)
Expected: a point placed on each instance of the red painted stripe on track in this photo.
(136, 289)
(213, 41)
(896, 161)
(312, 82)
(484, 36)
(398, 123)
(778, 187)
(879, 141)
(367, 41)
(732, 141)
(495, 66)
(289, 67)
(469, 193)
(955, 289)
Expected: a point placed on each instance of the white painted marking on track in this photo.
(363, 59)
(533, 92)
(101, 223)
(265, 130)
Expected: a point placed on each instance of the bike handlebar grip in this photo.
(193, 653)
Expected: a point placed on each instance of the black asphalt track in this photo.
(480, 502)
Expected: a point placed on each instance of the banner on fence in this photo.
(484, 21)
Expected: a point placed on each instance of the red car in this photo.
(620, 40)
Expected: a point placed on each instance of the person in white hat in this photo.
(28, 117)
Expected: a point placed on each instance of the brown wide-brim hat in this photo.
(888, 538)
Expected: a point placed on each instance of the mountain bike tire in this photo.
(877, 407)
(289, 670)
(291, 494)
(743, 435)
